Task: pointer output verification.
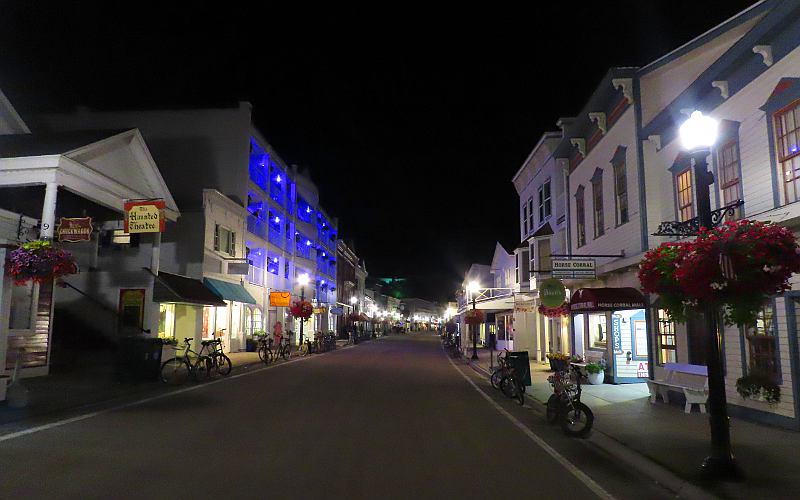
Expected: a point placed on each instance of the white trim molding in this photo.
(655, 140)
(765, 51)
(600, 120)
(722, 85)
(580, 143)
(626, 84)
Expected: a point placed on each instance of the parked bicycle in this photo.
(565, 405)
(511, 383)
(177, 370)
(268, 352)
(220, 362)
(500, 370)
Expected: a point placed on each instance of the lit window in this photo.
(685, 196)
(761, 340)
(787, 134)
(666, 339)
(598, 331)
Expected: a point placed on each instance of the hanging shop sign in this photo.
(145, 216)
(574, 268)
(240, 268)
(321, 310)
(552, 292)
(337, 311)
(74, 229)
(280, 299)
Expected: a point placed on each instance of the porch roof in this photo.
(105, 167)
(174, 288)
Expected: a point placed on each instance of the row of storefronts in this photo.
(593, 195)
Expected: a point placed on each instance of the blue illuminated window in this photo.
(259, 161)
(305, 212)
(277, 181)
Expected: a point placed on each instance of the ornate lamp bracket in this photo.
(692, 226)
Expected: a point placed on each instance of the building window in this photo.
(666, 338)
(531, 223)
(166, 321)
(761, 339)
(545, 206)
(580, 216)
(621, 191)
(597, 200)
(224, 240)
(730, 184)
(787, 134)
(598, 330)
(525, 220)
(685, 195)
(543, 252)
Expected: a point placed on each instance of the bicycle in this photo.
(220, 361)
(565, 406)
(512, 385)
(500, 370)
(177, 370)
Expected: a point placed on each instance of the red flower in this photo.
(474, 317)
(302, 309)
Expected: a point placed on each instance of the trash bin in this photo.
(492, 341)
(139, 358)
(519, 360)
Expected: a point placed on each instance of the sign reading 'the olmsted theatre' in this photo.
(145, 216)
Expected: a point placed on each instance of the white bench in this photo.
(691, 379)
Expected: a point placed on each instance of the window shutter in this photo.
(216, 236)
(233, 244)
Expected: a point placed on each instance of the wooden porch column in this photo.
(49, 211)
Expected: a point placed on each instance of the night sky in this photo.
(412, 121)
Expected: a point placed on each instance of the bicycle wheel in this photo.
(203, 368)
(174, 371)
(577, 420)
(495, 378)
(223, 364)
(302, 350)
(262, 353)
(551, 416)
(519, 392)
(507, 386)
(286, 352)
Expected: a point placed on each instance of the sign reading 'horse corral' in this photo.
(574, 268)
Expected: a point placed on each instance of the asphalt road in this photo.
(391, 418)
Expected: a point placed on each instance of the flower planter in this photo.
(560, 365)
(552, 364)
(596, 378)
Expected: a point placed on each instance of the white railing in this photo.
(483, 295)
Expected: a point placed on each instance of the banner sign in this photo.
(75, 229)
(616, 334)
(337, 311)
(280, 299)
(145, 216)
(321, 310)
(574, 268)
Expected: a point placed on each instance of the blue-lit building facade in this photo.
(288, 234)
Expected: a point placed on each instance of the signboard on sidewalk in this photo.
(145, 216)
(280, 299)
(574, 268)
(74, 229)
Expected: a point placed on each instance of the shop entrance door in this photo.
(629, 343)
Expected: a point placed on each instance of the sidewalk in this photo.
(678, 442)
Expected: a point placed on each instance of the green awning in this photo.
(229, 291)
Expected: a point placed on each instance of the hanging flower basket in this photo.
(554, 312)
(736, 266)
(474, 317)
(39, 261)
(302, 309)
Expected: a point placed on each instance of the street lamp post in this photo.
(354, 302)
(303, 281)
(473, 290)
(698, 135)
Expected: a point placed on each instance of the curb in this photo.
(632, 458)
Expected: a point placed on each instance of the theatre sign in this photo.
(144, 216)
(574, 269)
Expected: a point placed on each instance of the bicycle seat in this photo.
(187, 339)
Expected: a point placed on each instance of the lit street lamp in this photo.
(473, 288)
(302, 280)
(698, 135)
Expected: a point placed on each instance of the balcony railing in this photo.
(483, 295)
(255, 275)
(303, 250)
(257, 226)
(275, 237)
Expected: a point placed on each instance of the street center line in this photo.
(59, 423)
(579, 474)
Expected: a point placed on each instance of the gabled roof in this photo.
(10, 121)
(17, 145)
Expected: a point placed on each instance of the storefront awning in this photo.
(606, 299)
(229, 291)
(174, 288)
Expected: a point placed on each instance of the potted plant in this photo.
(39, 261)
(558, 361)
(759, 386)
(596, 372)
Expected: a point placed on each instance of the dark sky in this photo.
(412, 121)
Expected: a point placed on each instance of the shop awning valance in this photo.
(174, 288)
(229, 291)
(606, 299)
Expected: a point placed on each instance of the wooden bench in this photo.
(691, 379)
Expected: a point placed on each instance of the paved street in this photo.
(390, 418)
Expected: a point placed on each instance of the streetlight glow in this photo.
(473, 286)
(353, 300)
(303, 279)
(698, 131)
